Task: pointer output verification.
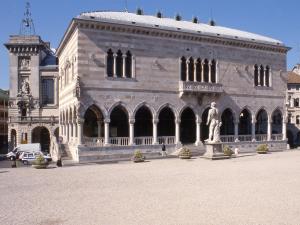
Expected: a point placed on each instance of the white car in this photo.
(29, 157)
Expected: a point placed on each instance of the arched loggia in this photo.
(204, 127)
(119, 124)
(261, 126)
(143, 126)
(93, 122)
(227, 127)
(166, 124)
(188, 126)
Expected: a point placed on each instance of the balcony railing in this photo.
(143, 140)
(34, 119)
(199, 87)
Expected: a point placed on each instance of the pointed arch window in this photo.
(206, 70)
(128, 64)
(213, 71)
(191, 69)
(198, 70)
(183, 69)
(119, 62)
(261, 75)
(110, 63)
(256, 76)
(267, 74)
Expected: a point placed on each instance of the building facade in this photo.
(33, 97)
(3, 121)
(131, 81)
(293, 107)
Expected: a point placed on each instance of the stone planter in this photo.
(184, 156)
(40, 166)
(261, 152)
(137, 160)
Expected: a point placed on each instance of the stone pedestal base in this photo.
(214, 151)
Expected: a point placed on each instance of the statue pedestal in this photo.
(214, 151)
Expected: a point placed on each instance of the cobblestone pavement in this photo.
(257, 189)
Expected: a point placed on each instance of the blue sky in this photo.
(276, 19)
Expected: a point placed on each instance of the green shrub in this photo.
(39, 160)
(227, 151)
(185, 153)
(263, 148)
(138, 156)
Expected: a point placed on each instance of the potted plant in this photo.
(138, 157)
(262, 149)
(40, 162)
(185, 153)
(227, 151)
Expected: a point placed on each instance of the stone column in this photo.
(155, 141)
(106, 132)
(131, 131)
(209, 72)
(269, 134)
(124, 65)
(236, 131)
(133, 66)
(115, 65)
(292, 102)
(79, 130)
(177, 131)
(202, 71)
(253, 128)
(217, 72)
(195, 70)
(68, 131)
(198, 131)
(74, 129)
(284, 129)
(270, 77)
(99, 128)
(264, 81)
(187, 70)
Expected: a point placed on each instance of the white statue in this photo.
(214, 124)
(25, 89)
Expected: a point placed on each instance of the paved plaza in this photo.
(253, 189)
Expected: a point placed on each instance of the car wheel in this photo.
(25, 162)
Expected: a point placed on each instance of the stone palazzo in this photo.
(130, 81)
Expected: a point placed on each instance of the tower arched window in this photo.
(128, 64)
(183, 69)
(261, 75)
(267, 74)
(119, 62)
(213, 71)
(191, 69)
(256, 76)
(110, 63)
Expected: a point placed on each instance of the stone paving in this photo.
(254, 189)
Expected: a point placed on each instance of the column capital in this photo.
(156, 120)
(106, 120)
(79, 120)
(177, 120)
(198, 119)
(131, 121)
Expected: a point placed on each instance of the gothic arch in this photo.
(195, 110)
(171, 106)
(123, 105)
(140, 105)
(262, 108)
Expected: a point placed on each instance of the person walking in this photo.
(163, 150)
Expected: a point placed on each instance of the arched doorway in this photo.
(119, 125)
(41, 135)
(143, 123)
(276, 122)
(188, 126)
(204, 127)
(93, 122)
(245, 122)
(166, 124)
(13, 139)
(227, 127)
(261, 126)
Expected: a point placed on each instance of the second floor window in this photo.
(47, 91)
(119, 64)
(262, 76)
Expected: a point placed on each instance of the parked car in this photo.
(35, 147)
(29, 157)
